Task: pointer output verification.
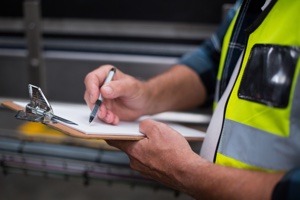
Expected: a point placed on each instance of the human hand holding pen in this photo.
(109, 77)
(123, 98)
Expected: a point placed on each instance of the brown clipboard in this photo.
(75, 133)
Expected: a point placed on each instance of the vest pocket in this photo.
(268, 75)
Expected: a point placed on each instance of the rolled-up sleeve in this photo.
(289, 186)
(205, 59)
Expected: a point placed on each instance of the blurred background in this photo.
(54, 44)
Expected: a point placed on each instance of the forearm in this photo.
(176, 89)
(204, 180)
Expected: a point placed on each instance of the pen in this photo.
(100, 99)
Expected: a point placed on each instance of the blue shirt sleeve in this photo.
(205, 59)
(288, 187)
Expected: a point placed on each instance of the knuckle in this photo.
(87, 77)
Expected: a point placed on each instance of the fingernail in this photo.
(107, 89)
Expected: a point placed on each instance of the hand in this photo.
(161, 155)
(165, 156)
(124, 98)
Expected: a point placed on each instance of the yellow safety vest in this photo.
(261, 126)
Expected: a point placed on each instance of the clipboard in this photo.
(71, 131)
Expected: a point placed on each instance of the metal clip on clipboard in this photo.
(39, 109)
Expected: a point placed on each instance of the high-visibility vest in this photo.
(260, 125)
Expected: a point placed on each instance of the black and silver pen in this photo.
(100, 99)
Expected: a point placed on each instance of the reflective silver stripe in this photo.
(259, 148)
(262, 149)
(209, 146)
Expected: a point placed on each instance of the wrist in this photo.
(149, 96)
(187, 173)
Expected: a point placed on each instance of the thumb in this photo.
(125, 87)
(149, 127)
(107, 90)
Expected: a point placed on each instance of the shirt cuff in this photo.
(288, 187)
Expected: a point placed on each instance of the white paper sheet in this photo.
(79, 114)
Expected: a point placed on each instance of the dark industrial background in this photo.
(142, 38)
(54, 44)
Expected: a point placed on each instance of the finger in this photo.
(87, 99)
(93, 81)
(131, 149)
(116, 120)
(145, 170)
(128, 148)
(102, 112)
(110, 117)
(107, 116)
